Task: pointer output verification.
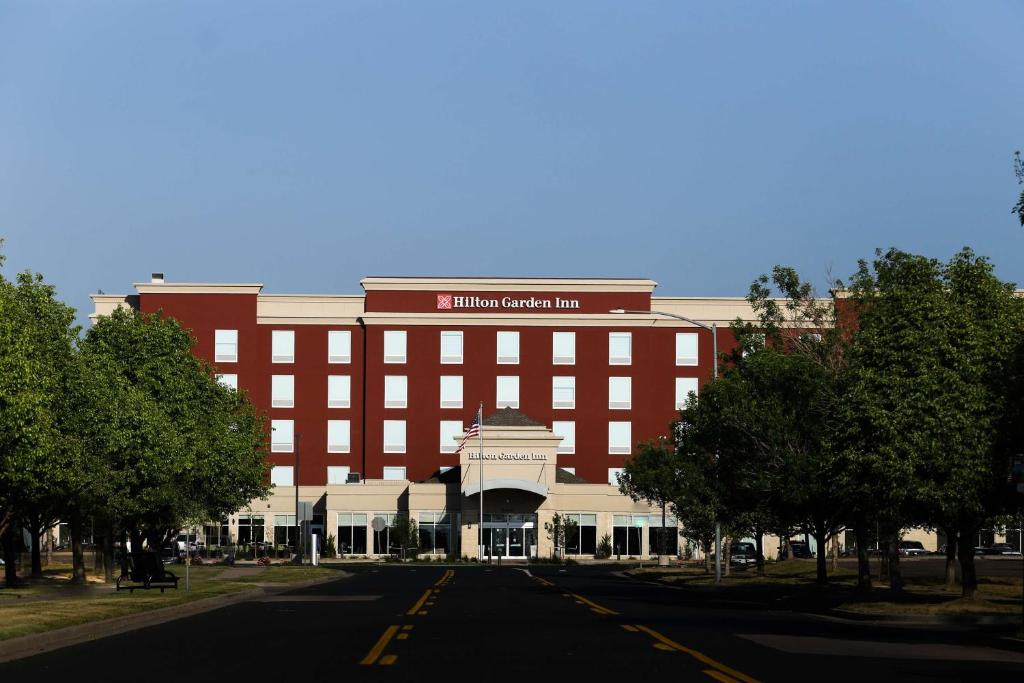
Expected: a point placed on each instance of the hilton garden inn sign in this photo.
(448, 302)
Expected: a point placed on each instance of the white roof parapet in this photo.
(198, 287)
(503, 284)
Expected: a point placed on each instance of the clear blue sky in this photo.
(305, 145)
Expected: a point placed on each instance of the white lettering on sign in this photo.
(447, 302)
(527, 457)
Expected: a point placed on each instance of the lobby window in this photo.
(627, 534)
(619, 438)
(451, 391)
(654, 534)
(338, 436)
(382, 540)
(225, 346)
(508, 348)
(508, 392)
(396, 391)
(394, 346)
(684, 387)
(250, 529)
(284, 530)
(620, 348)
(282, 391)
(282, 436)
(566, 430)
(451, 347)
(394, 436)
(450, 431)
(435, 533)
(583, 539)
(282, 475)
(339, 391)
(394, 473)
(337, 474)
(352, 533)
(563, 392)
(563, 348)
(620, 392)
(282, 344)
(339, 346)
(613, 475)
(686, 348)
(229, 381)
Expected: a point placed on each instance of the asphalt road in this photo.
(406, 623)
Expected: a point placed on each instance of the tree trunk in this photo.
(707, 556)
(48, 544)
(77, 556)
(835, 552)
(951, 542)
(759, 545)
(10, 556)
(821, 537)
(968, 576)
(108, 554)
(37, 557)
(863, 563)
(893, 551)
(726, 555)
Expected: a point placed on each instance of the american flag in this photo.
(474, 430)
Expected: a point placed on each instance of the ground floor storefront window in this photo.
(435, 533)
(250, 529)
(627, 534)
(216, 534)
(582, 540)
(352, 533)
(656, 533)
(285, 531)
(383, 543)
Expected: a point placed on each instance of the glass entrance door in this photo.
(509, 535)
(498, 542)
(515, 543)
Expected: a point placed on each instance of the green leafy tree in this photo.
(559, 529)
(1018, 169)
(652, 475)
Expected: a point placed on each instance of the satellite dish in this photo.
(378, 524)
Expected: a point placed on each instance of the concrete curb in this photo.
(47, 641)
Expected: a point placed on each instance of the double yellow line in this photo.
(376, 654)
(718, 671)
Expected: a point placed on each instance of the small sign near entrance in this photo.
(378, 524)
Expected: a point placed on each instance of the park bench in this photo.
(145, 569)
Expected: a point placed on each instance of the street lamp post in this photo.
(713, 329)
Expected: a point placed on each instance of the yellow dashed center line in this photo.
(379, 646)
(388, 660)
(721, 671)
(580, 600)
(719, 676)
(415, 609)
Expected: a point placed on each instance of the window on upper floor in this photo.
(282, 475)
(282, 391)
(451, 347)
(451, 391)
(619, 438)
(339, 346)
(563, 348)
(396, 391)
(282, 344)
(337, 474)
(225, 346)
(394, 346)
(229, 381)
(684, 387)
(339, 436)
(566, 430)
(282, 436)
(620, 393)
(686, 348)
(507, 391)
(563, 392)
(339, 391)
(613, 475)
(620, 348)
(451, 431)
(508, 348)
(394, 436)
(394, 473)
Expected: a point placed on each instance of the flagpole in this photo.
(480, 466)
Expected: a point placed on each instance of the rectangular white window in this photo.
(339, 391)
(613, 476)
(337, 474)
(566, 430)
(570, 470)
(508, 392)
(686, 348)
(394, 436)
(451, 391)
(619, 438)
(338, 436)
(451, 347)
(620, 348)
(282, 436)
(620, 393)
(394, 346)
(451, 430)
(394, 473)
(508, 348)
(282, 391)
(563, 392)
(339, 346)
(225, 346)
(396, 391)
(229, 381)
(684, 386)
(563, 348)
(282, 344)
(282, 475)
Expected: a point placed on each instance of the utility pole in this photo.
(298, 527)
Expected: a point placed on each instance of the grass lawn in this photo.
(791, 585)
(54, 603)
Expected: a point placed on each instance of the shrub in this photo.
(604, 548)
